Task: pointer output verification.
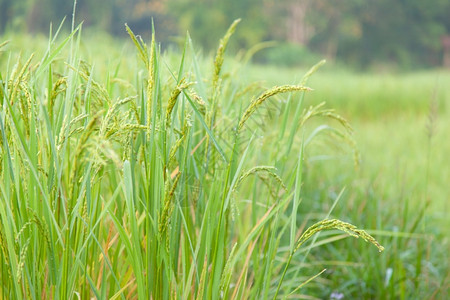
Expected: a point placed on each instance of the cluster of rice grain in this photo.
(136, 197)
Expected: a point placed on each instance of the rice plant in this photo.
(153, 185)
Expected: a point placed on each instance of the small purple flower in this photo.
(336, 296)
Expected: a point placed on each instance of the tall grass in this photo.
(152, 185)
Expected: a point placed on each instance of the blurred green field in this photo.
(401, 124)
(397, 189)
(402, 127)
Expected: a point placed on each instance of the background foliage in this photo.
(361, 33)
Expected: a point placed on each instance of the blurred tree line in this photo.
(363, 33)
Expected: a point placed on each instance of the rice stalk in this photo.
(255, 103)
(311, 71)
(79, 150)
(58, 87)
(24, 227)
(307, 281)
(3, 243)
(140, 46)
(201, 285)
(260, 169)
(327, 224)
(98, 90)
(151, 70)
(201, 105)
(25, 107)
(227, 272)
(105, 128)
(22, 257)
(315, 111)
(19, 78)
(346, 136)
(164, 219)
(218, 61)
(173, 98)
(179, 142)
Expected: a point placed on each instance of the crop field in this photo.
(128, 172)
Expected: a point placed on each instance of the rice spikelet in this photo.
(267, 94)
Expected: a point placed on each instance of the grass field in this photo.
(134, 175)
(401, 125)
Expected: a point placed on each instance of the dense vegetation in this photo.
(130, 176)
(405, 34)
